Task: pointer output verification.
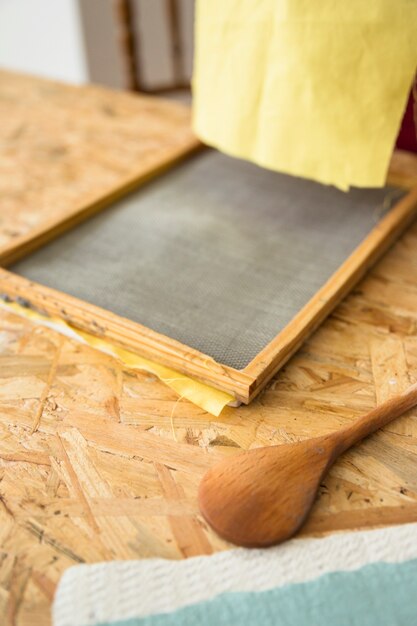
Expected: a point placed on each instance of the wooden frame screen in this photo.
(243, 384)
(69, 152)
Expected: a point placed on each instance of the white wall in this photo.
(42, 37)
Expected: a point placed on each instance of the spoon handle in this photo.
(377, 418)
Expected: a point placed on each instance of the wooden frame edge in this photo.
(244, 384)
(263, 367)
(402, 173)
(21, 246)
(125, 333)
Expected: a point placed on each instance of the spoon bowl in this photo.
(232, 498)
(263, 496)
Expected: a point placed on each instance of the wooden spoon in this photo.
(263, 496)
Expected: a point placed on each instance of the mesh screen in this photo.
(218, 253)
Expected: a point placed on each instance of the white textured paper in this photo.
(90, 594)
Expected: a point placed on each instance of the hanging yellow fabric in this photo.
(312, 89)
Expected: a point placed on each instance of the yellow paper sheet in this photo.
(211, 400)
(312, 89)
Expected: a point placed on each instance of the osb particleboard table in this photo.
(99, 462)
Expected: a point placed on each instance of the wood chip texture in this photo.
(98, 462)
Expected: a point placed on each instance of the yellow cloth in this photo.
(211, 400)
(310, 88)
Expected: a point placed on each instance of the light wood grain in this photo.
(47, 107)
(119, 429)
(129, 335)
(283, 346)
(130, 424)
(262, 497)
(244, 384)
(67, 152)
(402, 170)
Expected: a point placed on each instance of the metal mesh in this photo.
(218, 253)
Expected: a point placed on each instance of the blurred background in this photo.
(142, 45)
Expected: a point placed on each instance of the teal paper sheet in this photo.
(379, 594)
